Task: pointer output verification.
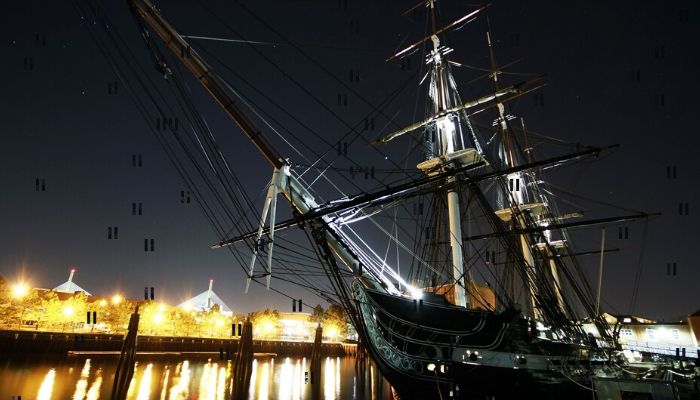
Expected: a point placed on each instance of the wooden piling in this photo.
(243, 362)
(125, 365)
(315, 365)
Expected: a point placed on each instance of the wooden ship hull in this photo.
(421, 346)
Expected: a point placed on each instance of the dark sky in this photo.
(622, 72)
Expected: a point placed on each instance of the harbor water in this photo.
(179, 379)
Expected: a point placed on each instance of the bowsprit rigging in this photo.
(196, 155)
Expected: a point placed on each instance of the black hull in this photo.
(484, 383)
(427, 350)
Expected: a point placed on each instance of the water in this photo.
(167, 379)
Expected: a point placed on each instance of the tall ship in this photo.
(484, 296)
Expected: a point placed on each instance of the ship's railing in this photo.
(660, 348)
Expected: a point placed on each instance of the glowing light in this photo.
(415, 293)
(132, 384)
(329, 379)
(158, 318)
(298, 380)
(205, 382)
(221, 384)
(332, 331)
(103, 303)
(164, 385)
(117, 298)
(219, 322)
(68, 310)
(286, 378)
(208, 385)
(337, 377)
(181, 389)
(264, 389)
(268, 327)
(161, 307)
(253, 380)
(145, 386)
(81, 385)
(46, 386)
(431, 367)
(94, 392)
(19, 290)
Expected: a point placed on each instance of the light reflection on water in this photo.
(253, 378)
(145, 385)
(264, 382)
(164, 385)
(46, 387)
(181, 390)
(94, 392)
(167, 379)
(81, 386)
(329, 381)
(285, 379)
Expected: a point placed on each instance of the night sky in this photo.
(617, 73)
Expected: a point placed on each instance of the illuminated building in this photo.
(69, 286)
(205, 301)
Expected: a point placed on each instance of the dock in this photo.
(22, 343)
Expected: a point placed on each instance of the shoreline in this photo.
(19, 343)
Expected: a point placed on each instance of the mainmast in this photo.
(446, 132)
(448, 151)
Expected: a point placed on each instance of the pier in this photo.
(59, 343)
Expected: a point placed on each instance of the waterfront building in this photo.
(69, 286)
(678, 338)
(205, 301)
(296, 326)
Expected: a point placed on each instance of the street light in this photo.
(68, 310)
(19, 290)
(332, 332)
(117, 298)
(158, 318)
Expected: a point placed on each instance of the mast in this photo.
(518, 202)
(515, 184)
(515, 187)
(446, 134)
(444, 145)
